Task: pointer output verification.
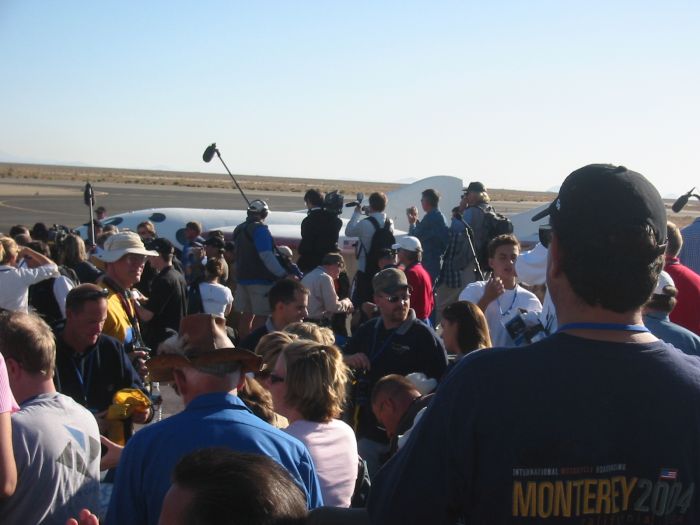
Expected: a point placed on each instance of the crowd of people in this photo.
(458, 379)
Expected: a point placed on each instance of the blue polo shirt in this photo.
(210, 420)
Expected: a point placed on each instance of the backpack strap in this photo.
(374, 222)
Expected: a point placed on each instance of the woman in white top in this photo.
(308, 388)
(216, 298)
(15, 277)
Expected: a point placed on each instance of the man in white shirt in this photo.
(507, 306)
(323, 299)
(365, 228)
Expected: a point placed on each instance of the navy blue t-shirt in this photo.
(567, 430)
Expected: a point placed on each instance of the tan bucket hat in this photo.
(119, 244)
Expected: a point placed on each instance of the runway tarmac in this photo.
(61, 202)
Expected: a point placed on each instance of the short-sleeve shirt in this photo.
(215, 298)
(502, 309)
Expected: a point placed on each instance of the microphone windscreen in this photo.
(209, 152)
(680, 203)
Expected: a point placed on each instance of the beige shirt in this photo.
(323, 300)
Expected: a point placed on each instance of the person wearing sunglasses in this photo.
(91, 366)
(396, 342)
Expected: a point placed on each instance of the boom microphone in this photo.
(209, 152)
(682, 201)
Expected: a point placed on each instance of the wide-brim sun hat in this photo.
(121, 244)
(203, 342)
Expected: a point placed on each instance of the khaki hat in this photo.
(203, 343)
(389, 280)
(120, 244)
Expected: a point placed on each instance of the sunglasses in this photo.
(87, 295)
(396, 298)
(274, 378)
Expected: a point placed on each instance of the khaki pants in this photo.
(446, 295)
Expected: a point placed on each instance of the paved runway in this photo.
(28, 202)
(61, 202)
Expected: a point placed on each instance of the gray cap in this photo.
(389, 280)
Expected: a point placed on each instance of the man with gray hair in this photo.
(207, 371)
(55, 440)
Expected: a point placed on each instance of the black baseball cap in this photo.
(601, 198)
(476, 187)
(216, 242)
(161, 245)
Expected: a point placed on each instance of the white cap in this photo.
(408, 243)
(664, 281)
(423, 383)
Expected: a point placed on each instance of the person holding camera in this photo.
(505, 304)
(319, 232)
(375, 234)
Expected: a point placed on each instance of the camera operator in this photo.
(319, 231)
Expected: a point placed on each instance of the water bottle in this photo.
(157, 400)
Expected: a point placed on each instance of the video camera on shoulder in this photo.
(333, 202)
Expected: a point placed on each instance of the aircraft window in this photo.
(157, 217)
(180, 236)
(116, 221)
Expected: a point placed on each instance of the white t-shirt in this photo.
(333, 448)
(215, 298)
(503, 309)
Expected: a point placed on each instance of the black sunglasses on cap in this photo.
(545, 235)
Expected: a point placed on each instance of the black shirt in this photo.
(412, 347)
(168, 302)
(92, 377)
(319, 236)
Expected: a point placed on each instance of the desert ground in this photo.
(32, 193)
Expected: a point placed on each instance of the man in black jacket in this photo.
(396, 342)
(90, 366)
(319, 232)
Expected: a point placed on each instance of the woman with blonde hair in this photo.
(16, 278)
(311, 331)
(308, 388)
(74, 256)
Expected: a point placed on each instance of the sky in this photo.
(514, 94)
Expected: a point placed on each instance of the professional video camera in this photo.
(333, 202)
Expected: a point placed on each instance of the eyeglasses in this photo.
(396, 298)
(545, 235)
(133, 258)
(274, 378)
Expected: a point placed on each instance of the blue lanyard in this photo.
(515, 296)
(84, 380)
(374, 356)
(603, 326)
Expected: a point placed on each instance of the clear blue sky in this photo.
(515, 94)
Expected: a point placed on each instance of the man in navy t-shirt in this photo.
(599, 423)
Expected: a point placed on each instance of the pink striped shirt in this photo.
(7, 400)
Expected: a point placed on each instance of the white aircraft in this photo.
(286, 226)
